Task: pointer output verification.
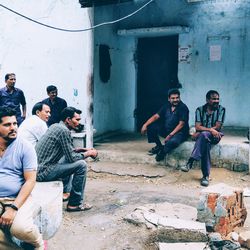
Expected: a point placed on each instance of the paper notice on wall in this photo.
(215, 53)
(184, 55)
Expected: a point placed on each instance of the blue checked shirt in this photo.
(54, 144)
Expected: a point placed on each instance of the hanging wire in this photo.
(78, 30)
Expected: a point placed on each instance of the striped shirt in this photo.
(54, 144)
(209, 120)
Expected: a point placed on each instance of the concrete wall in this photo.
(114, 101)
(40, 56)
(222, 23)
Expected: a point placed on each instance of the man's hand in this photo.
(143, 129)
(167, 138)
(215, 133)
(91, 153)
(7, 217)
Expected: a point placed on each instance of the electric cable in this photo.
(78, 30)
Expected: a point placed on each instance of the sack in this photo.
(2, 208)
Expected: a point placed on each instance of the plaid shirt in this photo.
(54, 144)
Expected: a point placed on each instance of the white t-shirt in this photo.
(32, 129)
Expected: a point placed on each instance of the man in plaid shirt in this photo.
(57, 143)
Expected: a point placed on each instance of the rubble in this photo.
(222, 208)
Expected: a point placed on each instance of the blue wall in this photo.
(220, 22)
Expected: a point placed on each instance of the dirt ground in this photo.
(115, 196)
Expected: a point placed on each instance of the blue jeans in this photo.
(63, 171)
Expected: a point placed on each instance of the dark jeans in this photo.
(63, 171)
(155, 129)
(202, 149)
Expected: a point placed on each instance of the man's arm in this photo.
(148, 122)
(214, 130)
(176, 130)
(30, 180)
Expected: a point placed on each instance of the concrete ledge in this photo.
(230, 155)
(47, 197)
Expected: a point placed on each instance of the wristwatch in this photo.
(12, 206)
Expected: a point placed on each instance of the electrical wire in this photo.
(78, 30)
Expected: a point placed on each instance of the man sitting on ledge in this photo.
(57, 143)
(18, 164)
(209, 119)
(171, 122)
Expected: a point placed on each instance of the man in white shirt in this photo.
(34, 127)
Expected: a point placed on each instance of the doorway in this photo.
(157, 60)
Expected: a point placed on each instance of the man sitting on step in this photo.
(209, 119)
(18, 164)
(57, 143)
(170, 122)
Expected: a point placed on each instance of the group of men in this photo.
(41, 149)
(171, 123)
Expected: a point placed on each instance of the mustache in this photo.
(12, 132)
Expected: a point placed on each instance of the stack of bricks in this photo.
(222, 208)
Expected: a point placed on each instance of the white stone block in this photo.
(47, 196)
(183, 246)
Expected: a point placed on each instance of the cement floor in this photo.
(138, 143)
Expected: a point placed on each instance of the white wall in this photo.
(40, 56)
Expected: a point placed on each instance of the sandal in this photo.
(81, 207)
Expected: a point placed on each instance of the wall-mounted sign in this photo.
(184, 54)
(215, 53)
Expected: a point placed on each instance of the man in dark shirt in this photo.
(171, 122)
(209, 119)
(57, 143)
(55, 103)
(12, 97)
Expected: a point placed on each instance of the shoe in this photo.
(81, 207)
(154, 150)
(187, 167)
(160, 155)
(205, 181)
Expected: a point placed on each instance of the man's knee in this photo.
(81, 166)
(21, 231)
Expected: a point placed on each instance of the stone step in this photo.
(229, 155)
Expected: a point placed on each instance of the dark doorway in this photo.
(157, 73)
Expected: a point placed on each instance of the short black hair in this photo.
(5, 111)
(210, 93)
(37, 107)
(51, 88)
(69, 112)
(7, 76)
(173, 92)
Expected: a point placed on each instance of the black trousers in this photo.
(155, 130)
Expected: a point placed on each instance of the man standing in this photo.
(57, 143)
(34, 127)
(55, 103)
(18, 164)
(171, 122)
(209, 119)
(13, 97)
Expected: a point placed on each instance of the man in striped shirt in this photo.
(57, 143)
(209, 119)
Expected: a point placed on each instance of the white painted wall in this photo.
(40, 56)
